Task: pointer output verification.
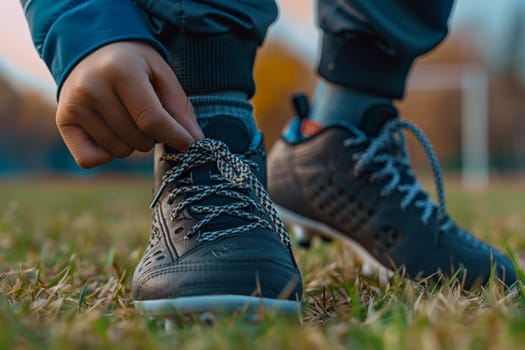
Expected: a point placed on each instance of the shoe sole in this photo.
(216, 304)
(305, 229)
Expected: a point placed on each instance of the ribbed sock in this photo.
(231, 103)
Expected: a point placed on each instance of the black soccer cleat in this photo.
(217, 243)
(343, 182)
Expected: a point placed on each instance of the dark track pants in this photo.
(368, 45)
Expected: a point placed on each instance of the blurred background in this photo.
(468, 95)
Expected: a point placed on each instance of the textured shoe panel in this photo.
(174, 266)
(296, 184)
(382, 208)
(157, 252)
(319, 184)
(242, 265)
(284, 187)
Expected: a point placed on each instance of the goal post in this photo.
(473, 83)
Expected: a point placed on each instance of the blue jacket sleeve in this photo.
(66, 31)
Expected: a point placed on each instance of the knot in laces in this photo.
(233, 168)
(234, 183)
(386, 157)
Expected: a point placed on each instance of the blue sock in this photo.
(231, 103)
(334, 103)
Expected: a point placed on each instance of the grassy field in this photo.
(68, 250)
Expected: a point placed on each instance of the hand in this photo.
(121, 98)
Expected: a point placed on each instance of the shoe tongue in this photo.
(234, 133)
(375, 117)
(230, 130)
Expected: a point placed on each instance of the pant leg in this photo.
(371, 45)
(212, 43)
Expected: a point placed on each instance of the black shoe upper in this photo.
(363, 187)
(213, 232)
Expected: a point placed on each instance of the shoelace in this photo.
(388, 151)
(239, 177)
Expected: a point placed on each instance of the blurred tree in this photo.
(280, 73)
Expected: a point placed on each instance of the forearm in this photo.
(66, 31)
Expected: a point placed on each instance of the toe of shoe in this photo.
(232, 266)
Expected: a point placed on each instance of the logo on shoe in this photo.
(310, 128)
(221, 251)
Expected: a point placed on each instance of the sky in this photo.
(295, 25)
(17, 54)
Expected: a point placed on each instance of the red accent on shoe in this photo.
(310, 128)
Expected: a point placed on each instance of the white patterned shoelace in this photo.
(388, 151)
(239, 180)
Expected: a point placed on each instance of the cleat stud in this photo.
(326, 239)
(304, 245)
(170, 325)
(304, 238)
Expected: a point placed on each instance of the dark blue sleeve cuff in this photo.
(89, 26)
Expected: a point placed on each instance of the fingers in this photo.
(104, 136)
(144, 106)
(88, 137)
(120, 98)
(119, 120)
(174, 99)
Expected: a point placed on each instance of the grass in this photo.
(68, 250)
